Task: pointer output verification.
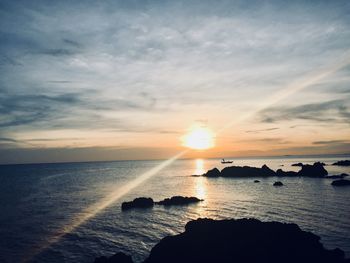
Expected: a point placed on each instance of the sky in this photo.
(125, 80)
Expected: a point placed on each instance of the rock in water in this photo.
(298, 164)
(179, 200)
(256, 181)
(278, 183)
(212, 173)
(140, 202)
(315, 170)
(242, 240)
(342, 163)
(341, 182)
(117, 258)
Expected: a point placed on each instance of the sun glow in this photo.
(199, 138)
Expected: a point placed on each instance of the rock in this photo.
(256, 181)
(342, 163)
(278, 183)
(247, 171)
(117, 258)
(298, 164)
(281, 173)
(337, 176)
(315, 170)
(341, 182)
(212, 173)
(242, 240)
(140, 202)
(179, 200)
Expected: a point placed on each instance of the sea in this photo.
(71, 212)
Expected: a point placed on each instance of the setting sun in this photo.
(199, 138)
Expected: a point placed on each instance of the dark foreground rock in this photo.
(242, 240)
(140, 202)
(117, 258)
(256, 181)
(342, 163)
(278, 183)
(179, 200)
(341, 182)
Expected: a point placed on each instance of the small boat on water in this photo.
(224, 161)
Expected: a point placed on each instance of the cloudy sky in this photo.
(106, 80)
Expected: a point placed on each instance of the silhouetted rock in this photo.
(212, 173)
(341, 182)
(342, 163)
(256, 181)
(280, 172)
(298, 164)
(140, 202)
(117, 258)
(179, 200)
(247, 171)
(336, 176)
(278, 183)
(315, 170)
(242, 240)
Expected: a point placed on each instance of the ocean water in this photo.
(39, 202)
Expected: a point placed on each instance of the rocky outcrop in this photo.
(242, 240)
(341, 182)
(282, 173)
(342, 163)
(278, 183)
(256, 181)
(314, 170)
(337, 176)
(213, 173)
(179, 200)
(140, 202)
(247, 171)
(298, 164)
(117, 258)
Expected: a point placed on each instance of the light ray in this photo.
(96, 208)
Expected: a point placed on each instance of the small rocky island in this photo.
(147, 202)
(342, 163)
(341, 182)
(314, 170)
(241, 240)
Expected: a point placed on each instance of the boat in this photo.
(224, 161)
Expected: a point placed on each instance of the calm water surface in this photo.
(41, 201)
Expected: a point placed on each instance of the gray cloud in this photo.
(334, 111)
(331, 142)
(262, 130)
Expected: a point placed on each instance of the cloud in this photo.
(334, 111)
(262, 130)
(331, 142)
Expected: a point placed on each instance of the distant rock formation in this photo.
(117, 258)
(213, 173)
(342, 163)
(140, 202)
(336, 176)
(314, 170)
(179, 200)
(278, 183)
(241, 240)
(298, 164)
(341, 182)
(282, 173)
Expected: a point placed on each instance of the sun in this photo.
(199, 138)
